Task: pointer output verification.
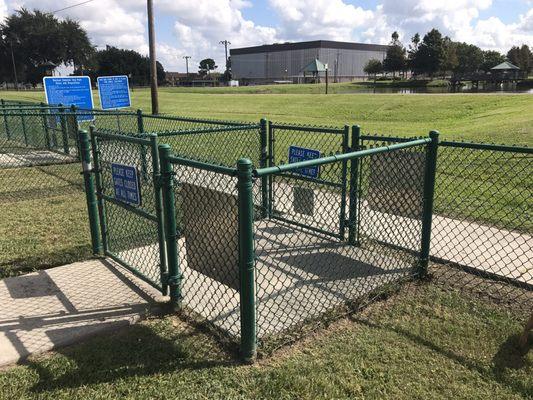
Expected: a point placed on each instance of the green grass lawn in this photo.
(44, 218)
(498, 118)
(423, 343)
(501, 118)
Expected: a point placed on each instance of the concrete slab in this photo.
(60, 306)
(299, 275)
(29, 157)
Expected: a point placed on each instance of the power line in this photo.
(72, 6)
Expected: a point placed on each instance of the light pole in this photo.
(187, 64)
(153, 61)
(226, 43)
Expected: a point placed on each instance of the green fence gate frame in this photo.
(149, 141)
(268, 180)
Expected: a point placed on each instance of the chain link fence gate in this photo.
(292, 197)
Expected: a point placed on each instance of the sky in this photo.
(195, 27)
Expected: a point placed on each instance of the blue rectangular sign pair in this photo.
(126, 183)
(68, 91)
(297, 154)
(114, 92)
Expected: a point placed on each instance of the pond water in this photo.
(505, 88)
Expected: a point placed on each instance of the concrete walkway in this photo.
(60, 306)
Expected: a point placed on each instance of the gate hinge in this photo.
(174, 280)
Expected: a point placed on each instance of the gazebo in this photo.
(506, 70)
(315, 67)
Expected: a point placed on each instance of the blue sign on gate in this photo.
(68, 91)
(114, 92)
(297, 154)
(126, 183)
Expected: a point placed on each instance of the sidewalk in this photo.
(64, 305)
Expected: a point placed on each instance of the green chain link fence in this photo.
(262, 247)
(41, 186)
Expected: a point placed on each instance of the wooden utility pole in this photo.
(153, 60)
(187, 64)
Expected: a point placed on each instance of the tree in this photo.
(526, 58)
(469, 58)
(491, 58)
(114, 61)
(40, 41)
(513, 55)
(411, 57)
(206, 66)
(450, 60)
(395, 59)
(373, 67)
(430, 54)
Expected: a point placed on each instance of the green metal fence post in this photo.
(24, 130)
(345, 149)
(158, 198)
(73, 127)
(64, 132)
(353, 229)
(271, 162)
(45, 127)
(246, 260)
(90, 194)
(6, 124)
(99, 190)
(263, 163)
(140, 129)
(169, 214)
(429, 192)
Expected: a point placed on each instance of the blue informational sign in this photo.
(126, 183)
(114, 92)
(70, 90)
(297, 154)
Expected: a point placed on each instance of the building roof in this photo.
(315, 44)
(506, 65)
(315, 66)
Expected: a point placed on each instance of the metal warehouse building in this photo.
(286, 61)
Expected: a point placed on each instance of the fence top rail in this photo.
(135, 137)
(381, 138)
(208, 130)
(487, 146)
(308, 128)
(192, 119)
(203, 165)
(339, 157)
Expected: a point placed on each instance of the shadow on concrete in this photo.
(332, 266)
(61, 306)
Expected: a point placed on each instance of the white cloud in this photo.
(195, 28)
(202, 24)
(321, 19)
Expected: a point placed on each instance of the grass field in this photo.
(498, 118)
(424, 343)
(480, 117)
